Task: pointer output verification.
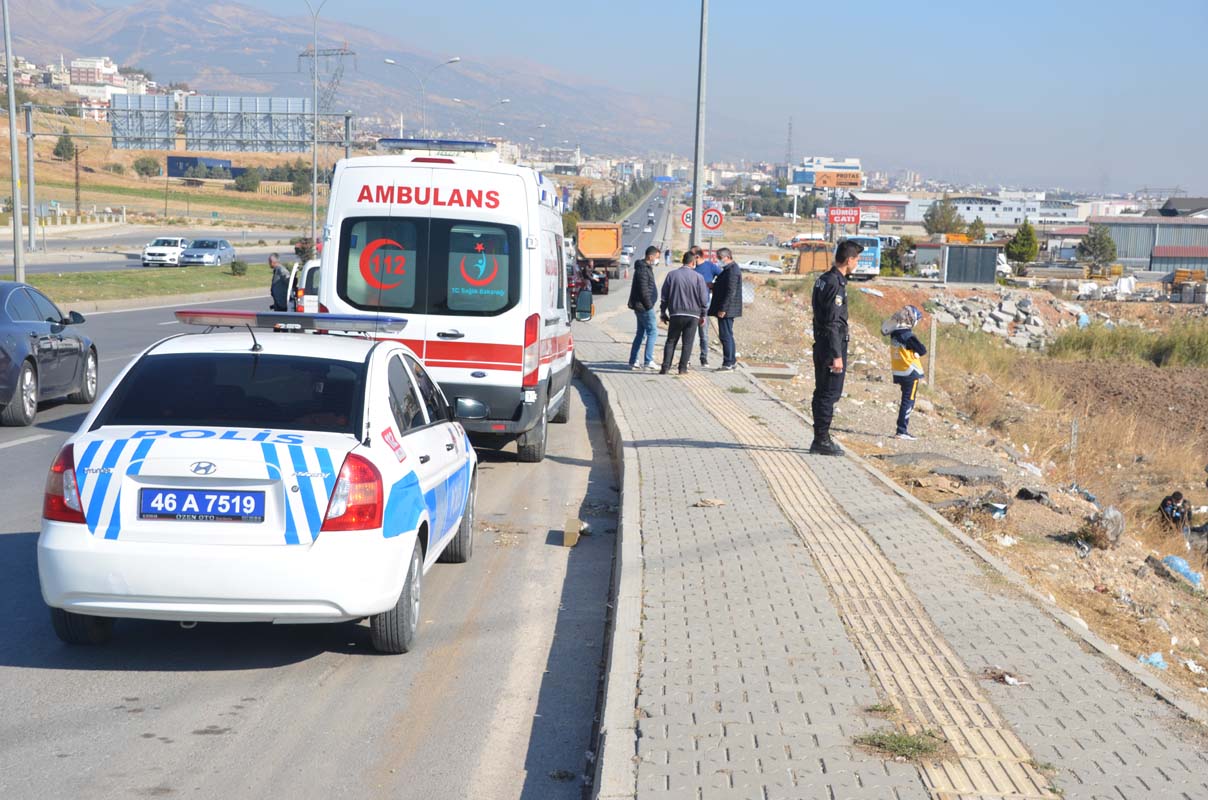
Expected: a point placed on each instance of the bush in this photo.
(1184, 345)
(301, 184)
(146, 166)
(238, 267)
(248, 182)
(304, 248)
(116, 169)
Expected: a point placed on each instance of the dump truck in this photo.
(600, 243)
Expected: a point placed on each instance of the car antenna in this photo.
(256, 348)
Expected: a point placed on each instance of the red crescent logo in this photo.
(485, 280)
(367, 263)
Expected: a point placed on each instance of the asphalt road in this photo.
(135, 236)
(82, 261)
(497, 701)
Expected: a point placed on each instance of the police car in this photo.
(259, 475)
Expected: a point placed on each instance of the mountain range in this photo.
(227, 48)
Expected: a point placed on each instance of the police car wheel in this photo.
(534, 451)
(462, 547)
(81, 628)
(563, 415)
(393, 631)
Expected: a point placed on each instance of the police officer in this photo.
(830, 344)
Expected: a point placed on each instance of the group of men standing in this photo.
(690, 294)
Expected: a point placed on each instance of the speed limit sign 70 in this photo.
(712, 218)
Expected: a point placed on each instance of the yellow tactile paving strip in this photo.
(904, 651)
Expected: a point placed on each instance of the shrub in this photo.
(238, 267)
(116, 169)
(304, 248)
(248, 181)
(146, 166)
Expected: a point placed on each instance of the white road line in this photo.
(169, 322)
(26, 440)
(175, 305)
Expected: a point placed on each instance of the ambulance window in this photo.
(482, 268)
(404, 404)
(558, 253)
(379, 267)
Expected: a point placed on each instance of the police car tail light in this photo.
(61, 501)
(356, 502)
(532, 351)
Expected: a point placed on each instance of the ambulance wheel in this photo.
(462, 546)
(563, 415)
(534, 451)
(81, 628)
(393, 631)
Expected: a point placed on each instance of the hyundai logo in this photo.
(203, 468)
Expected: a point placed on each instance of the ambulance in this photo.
(470, 251)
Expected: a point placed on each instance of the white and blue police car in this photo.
(259, 475)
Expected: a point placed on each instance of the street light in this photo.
(18, 251)
(423, 92)
(314, 133)
(503, 101)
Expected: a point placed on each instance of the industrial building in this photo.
(997, 211)
(1157, 243)
(890, 207)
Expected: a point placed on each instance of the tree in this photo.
(248, 181)
(146, 166)
(943, 217)
(977, 230)
(1023, 246)
(301, 183)
(570, 224)
(65, 147)
(1098, 247)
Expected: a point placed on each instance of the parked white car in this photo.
(165, 251)
(761, 267)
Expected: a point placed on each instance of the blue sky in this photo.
(1101, 95)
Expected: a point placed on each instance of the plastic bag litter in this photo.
(1179, 564)
(1194, 668)
(995, 510)
(1154, 659)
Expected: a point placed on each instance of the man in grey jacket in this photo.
(683, 302)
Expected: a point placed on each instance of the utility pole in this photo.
(77, 186)
(698, 163)
(348, 134)
(29, 174)
(14, 161)
(314, 145)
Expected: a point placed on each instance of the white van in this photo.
(471, 253)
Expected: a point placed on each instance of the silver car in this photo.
(208, 252)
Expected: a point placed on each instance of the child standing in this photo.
(905, 358)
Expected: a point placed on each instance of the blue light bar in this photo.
(446, 145)
(286, 321)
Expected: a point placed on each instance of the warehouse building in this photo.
(890, 207)
(1156, 242)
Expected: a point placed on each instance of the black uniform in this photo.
(830, 342)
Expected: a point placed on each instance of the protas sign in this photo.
(842, 215)
(841, 179)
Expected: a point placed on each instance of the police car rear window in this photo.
(240, 390)
(437, 266)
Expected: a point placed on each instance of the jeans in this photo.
(828, 388)
(680, 328)
(704, 344)
(725, 332)
(910, 388)
(648, 330)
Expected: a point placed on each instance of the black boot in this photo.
(825, 446)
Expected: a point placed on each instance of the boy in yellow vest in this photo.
(905, 358)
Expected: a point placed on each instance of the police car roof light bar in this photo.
(283, 320)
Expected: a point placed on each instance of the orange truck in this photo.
(600, 243)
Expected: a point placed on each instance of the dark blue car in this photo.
(42, 354)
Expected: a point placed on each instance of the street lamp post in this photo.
(423, 92)
(478, 112)
(314, 134)
(698, 161)
(18, 245)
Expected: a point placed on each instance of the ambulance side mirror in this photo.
(585, 309)
(468, 408)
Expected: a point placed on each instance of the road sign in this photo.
(686, 218)
(712, 218)
(843, 215)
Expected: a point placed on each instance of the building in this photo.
(1168, 258)
(824, 172)
(1141, 240)
(890, 207)
(1185, 207)
(999, 212)
(97, 71)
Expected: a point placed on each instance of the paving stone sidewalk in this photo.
(762, 643)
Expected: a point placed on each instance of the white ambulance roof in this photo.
(324, 346)
(441, 162)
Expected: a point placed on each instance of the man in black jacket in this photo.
(643, 294)
(726, 305)
(683, 302)
(829, 303)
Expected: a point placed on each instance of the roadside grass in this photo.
(72, 287)
(155, 193)
(1184, 345)
(909, 746)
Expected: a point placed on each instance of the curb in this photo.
(1075, 626)
(616, 749)
(161, 301)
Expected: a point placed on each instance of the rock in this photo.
(1022, 341)
(944, 318)
(1008, 307)
(970, 474)
(989, 328)
(1001, 317)
(924, 406)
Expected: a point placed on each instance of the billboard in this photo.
(143, 122)
(838, 179)
(843, 215)
(248, 124)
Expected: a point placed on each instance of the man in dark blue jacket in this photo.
(709, 271)
(829, 302)
(726, 305)
(643, 294)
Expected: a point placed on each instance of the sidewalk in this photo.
(754, 636)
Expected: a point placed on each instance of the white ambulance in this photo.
(469, 250)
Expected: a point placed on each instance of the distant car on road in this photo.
(762, 267)
(627, 250)
(208, 252)
(42, 355)
(164, 251)
(648, 229)
(303, 283)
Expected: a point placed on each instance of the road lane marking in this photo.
(26, 440)
(169, 322)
